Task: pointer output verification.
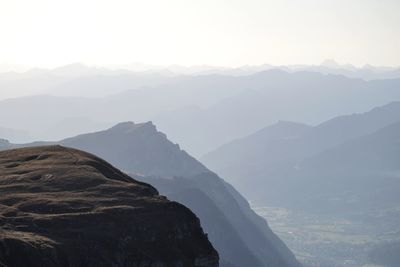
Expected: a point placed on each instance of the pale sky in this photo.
(48, 33)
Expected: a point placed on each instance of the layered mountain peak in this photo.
(65, 207)
(130, 126)
(138, 148)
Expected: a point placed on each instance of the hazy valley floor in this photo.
(334, 242)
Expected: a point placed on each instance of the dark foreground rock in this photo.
(65, 207)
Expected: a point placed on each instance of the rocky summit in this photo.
(64, 207)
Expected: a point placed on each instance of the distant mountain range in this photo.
(328, 66)
(348, 163)
(241, 237)
(199, 112)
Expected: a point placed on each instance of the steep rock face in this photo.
(64, 207)
(231, 248)
(241, 237)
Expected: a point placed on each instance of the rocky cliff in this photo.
(65, 207)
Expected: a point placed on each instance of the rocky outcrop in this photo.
(65, 207)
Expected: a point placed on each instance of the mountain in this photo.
(223, 210)
(75, 80)
(64, 207)
(319, 152)
(263, 146)
(94, 82)
(140, 148)
(222, 234)
(367, 72)
(265, 97)
(241, 237)
(199, 112)
(329, 191)
(361, 174)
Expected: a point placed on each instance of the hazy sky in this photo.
(217, 32)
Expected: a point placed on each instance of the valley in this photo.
(334, 241)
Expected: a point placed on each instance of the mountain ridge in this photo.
(277, 160)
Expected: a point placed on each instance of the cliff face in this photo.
(64, 207)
